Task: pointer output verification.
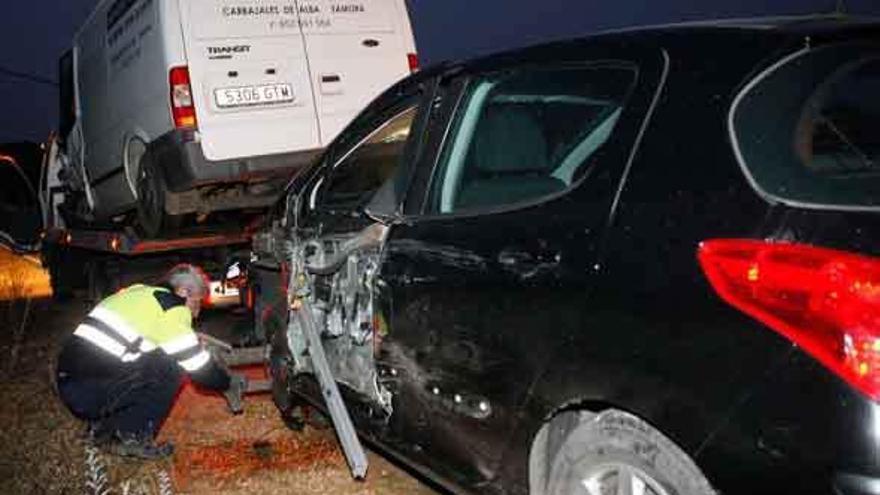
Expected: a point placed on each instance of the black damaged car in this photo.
(642, 262)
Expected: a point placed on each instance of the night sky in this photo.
(36, 32)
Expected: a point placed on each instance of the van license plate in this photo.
(265, 94)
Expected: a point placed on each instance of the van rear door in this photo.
(356, 49)
(249, 77)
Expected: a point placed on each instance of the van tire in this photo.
(152, 220)
(600, 448)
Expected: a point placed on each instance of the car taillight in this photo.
(824, 300)
(413, 60)
(182, 109)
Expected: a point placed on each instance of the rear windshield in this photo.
(808, 131)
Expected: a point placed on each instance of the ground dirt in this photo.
(42, 448)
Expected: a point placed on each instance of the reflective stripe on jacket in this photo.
(140, 318)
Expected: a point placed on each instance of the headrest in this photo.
(509, 139)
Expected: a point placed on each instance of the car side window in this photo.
(526, 134)
(361, 171)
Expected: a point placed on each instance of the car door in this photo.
(366, 165)
(502, 244)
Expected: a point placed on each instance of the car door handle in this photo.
(513, 258)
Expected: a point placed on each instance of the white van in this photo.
(172, 107)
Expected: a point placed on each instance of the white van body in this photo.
(270, 84)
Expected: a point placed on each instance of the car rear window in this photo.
(807, 130)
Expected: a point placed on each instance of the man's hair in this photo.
(187, 276)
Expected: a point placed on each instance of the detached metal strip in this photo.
(348, 439)
(351, 445)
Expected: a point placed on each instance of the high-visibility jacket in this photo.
(140, 320)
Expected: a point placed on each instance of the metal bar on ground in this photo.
(351, 445)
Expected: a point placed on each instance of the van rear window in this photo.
(807, 132)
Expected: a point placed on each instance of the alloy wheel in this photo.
(619, 479)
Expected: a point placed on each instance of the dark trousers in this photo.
(128, 400)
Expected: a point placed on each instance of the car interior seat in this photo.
(508, 161)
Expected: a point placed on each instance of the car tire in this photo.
(151, 193)
(289, 406)
(596, 453)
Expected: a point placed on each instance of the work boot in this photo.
(237, 387)
(141, 448)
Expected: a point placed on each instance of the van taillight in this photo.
(825, 301)
(182, 109)
(413, 60)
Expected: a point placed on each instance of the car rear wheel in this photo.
(151, 193)
(614, 452)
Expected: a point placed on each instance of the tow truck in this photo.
(103, 258)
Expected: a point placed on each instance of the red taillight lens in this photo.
(182, 109)
(825, 301)
(413, 60)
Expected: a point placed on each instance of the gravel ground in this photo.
(42, 451)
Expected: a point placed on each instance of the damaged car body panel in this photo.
(334, 250)
(501, 256)
(341, 271)
(475, 284)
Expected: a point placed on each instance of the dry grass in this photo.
(22, 277)
(22, 280)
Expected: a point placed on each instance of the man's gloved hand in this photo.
(237, 387)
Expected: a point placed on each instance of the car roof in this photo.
(760, 31)
(815, 23)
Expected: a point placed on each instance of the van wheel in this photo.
(151, 192)
(615, 452)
